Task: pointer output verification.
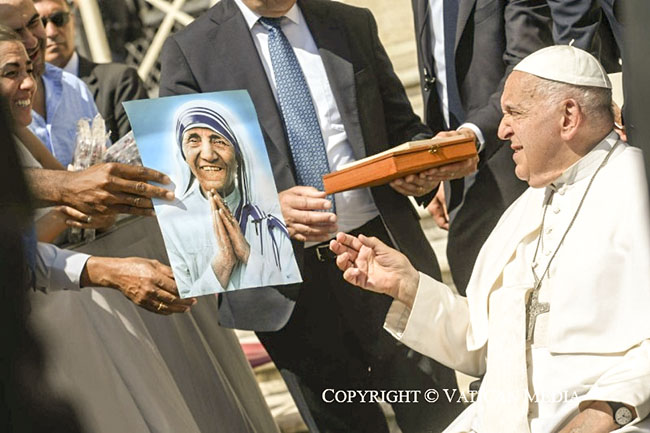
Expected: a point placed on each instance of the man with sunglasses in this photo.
(110, 83)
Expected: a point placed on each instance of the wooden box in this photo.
(408, 158)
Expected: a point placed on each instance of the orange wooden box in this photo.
(405, 159)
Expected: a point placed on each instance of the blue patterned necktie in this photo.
(298, 112)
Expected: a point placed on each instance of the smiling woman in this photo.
(17, 82)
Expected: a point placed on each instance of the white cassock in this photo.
(191, 244)
(592, 345)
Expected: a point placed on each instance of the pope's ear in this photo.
(572, 118)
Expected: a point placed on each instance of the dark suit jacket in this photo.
(217, 52)
(592, 25)
(492, 36)
(111, 84)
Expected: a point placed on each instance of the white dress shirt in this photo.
(353, 208)
(72, 67)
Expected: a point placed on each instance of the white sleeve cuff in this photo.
(396, 319)
(477, 131)
(58, 269)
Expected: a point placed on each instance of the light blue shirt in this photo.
(67, 99)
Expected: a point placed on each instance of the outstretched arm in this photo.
(426, 315)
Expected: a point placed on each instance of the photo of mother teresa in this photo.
(220, 239)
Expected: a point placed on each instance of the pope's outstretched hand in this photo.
(372, 265)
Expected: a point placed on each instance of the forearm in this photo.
(38, 149)
(46, 185)
(435, 322)
(99, 272)
(50, 226)
(597, 418)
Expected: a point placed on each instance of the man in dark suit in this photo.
(325, 59)
(466, 49)
(110, 83)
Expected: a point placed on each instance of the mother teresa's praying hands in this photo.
(372, 265)
(233, 246)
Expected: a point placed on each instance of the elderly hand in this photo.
(372, 265)
(113, 188)
(225, 259)
(300, 205)
(148, 283)
(240, 245)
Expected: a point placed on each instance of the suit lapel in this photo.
(247, 71)
(465, 8)
(423, 17)
(85, 67)
(333, 48)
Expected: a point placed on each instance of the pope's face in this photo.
(211, 158)
(60, 40)
(532, 127)
(17, 84)
(21, 15)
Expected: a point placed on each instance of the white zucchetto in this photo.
(565, 64)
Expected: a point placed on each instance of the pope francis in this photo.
(556, 311)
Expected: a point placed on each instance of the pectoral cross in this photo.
(533, 309)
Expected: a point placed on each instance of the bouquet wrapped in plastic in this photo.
(90, 149)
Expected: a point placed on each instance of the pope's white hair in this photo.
(595, 102)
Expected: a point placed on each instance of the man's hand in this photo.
(225, 260)
(372, 265)
(114, 188)
(240, 245)
(438, 209)
(424, 182)
(300, 206)
(148, 283)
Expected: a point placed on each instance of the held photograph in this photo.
(224, 230)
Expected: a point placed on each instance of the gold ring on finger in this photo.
(161, 307)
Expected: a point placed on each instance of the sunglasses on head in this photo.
(59, 19)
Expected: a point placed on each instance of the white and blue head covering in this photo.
(198, 114)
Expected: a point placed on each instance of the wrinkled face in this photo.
(270, 8)
(211, 159)
(21, 15)
(59, 30)
(17, 83)
(532, 126)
